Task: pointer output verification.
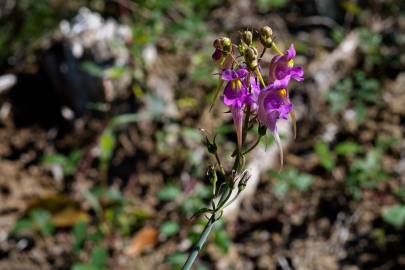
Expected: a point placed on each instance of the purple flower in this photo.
(282, 67)
(236, 96)
(274, 104)
(253, 97)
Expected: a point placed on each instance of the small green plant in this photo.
(98, 260)
(370, 46)
(169, 228)
(355, 91)
(395, 215)
(326, 157)
(365, 173)
(107, 140)
(221, 238)
(291, 179)
(267, 5)
(169, 192)
(69, 163)
(38, 220)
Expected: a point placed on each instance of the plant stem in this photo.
(276, 49)
(219, 164)
(259, 75)
(198, 246)
(253, 146)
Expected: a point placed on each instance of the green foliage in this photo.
(266, 5)
(168, 192)
(222, 239)
(370, 45)
(108, 140)
(356, 90)
(395, 215)
(37, 219)
(80, 235)
(169, 228)
(347, 148)
(196, 201)
(290, 179)
(107, 144)
(68, 163)
(39, 17)
(177, 260)
(325, 155)
(97, 71)
(365, 173)
(337, 35)
(98, 260)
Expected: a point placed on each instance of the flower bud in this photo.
(211, 146)
(247, 37)
(223, 47)
(226, 44)
(251, 58)
(266, 36)
(212, 175)
(266, 31)
(242, 48)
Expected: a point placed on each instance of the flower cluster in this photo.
(248, 95)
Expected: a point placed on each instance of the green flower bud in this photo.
(226, 44)
(247, 37)
(251, 58)
(223, 44)
(242, 48)
(266, 36)
(266, 31)
(212, 175)
(211, 146)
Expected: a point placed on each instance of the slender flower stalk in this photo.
(250, 100)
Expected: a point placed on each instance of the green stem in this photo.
(198, 246)
(253, 146)
(219, 163)
(259, 75)
(276, 49)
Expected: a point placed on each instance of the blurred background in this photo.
(101, 160)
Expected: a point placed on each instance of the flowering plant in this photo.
(251, 100)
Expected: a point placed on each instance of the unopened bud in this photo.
(223, 44)
(217, 43)
(251, 57)
(226, 44)
(211, 146)
(266, 36)
(212, 175)
(247, 37)
(242, 48)
(266, 31)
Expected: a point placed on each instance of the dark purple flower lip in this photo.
(230, 75)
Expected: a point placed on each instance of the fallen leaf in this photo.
(69, 217)
(52, 203)
(143, 239)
